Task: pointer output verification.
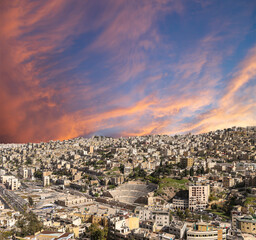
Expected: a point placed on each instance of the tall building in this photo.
(46, 180)
(15, 184)
(11, 182)
(25, 173)
(91, 149)
(228, 182)
(31, 172)
(187, 162)
(198, 195)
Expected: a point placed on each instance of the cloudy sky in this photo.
(72, 68)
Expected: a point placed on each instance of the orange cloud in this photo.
(43, 98)
(231, 111)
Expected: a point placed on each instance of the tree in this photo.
(97, 233)
(28, 224)
(251, 210)
(138, 172)
(30, 201)
(202, 170)
(170, 216)
(5, 234)
(38, 174)
(191, 172)
(121, 168)
(198, 171)
(214, 206)
(161, 163)
(187, 212)
(180, 214)
(206, 218)
(29, 161)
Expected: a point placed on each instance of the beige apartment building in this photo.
(247, 224)
(198, 196)
(187, 162)
(228, 182)
(73, 201)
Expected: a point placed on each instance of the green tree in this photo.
(187, 213)
(28, 224)
(97, 233)
(191, 172)
(29, 161)
(170, 216)
(180, 214)
(198, 171)
(30, 201)
(121, 168)
(5, 234)
(38, 174)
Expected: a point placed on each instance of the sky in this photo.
(71, 68)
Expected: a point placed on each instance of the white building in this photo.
(178, 229)
(203, 230)
(161, 218)
(24, 173)
(71, 201)
(46, 180)
(198, 196)
(10, 182)
(179, 203)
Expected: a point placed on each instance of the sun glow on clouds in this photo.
(76, 68)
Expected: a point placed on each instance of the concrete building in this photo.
(46, 180)
(187, 162)
(178, 228)
(228, 182)
(117, 180)
(179, 203)
(91, 149)
(10, 182)
(203, 230)
(6, 178)
(47, 173)
(24, 173)
(73, 201)
(121, 227)
(51, 235)
(161, 218)
(246, 224)
(198, 196)
(13, 184)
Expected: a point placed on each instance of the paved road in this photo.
(13, 199)
(6, 205)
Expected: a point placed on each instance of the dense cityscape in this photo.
(127, 120)
(147, 187)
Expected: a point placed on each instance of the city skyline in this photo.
(125, 68)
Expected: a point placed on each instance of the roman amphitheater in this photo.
(132, 192)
